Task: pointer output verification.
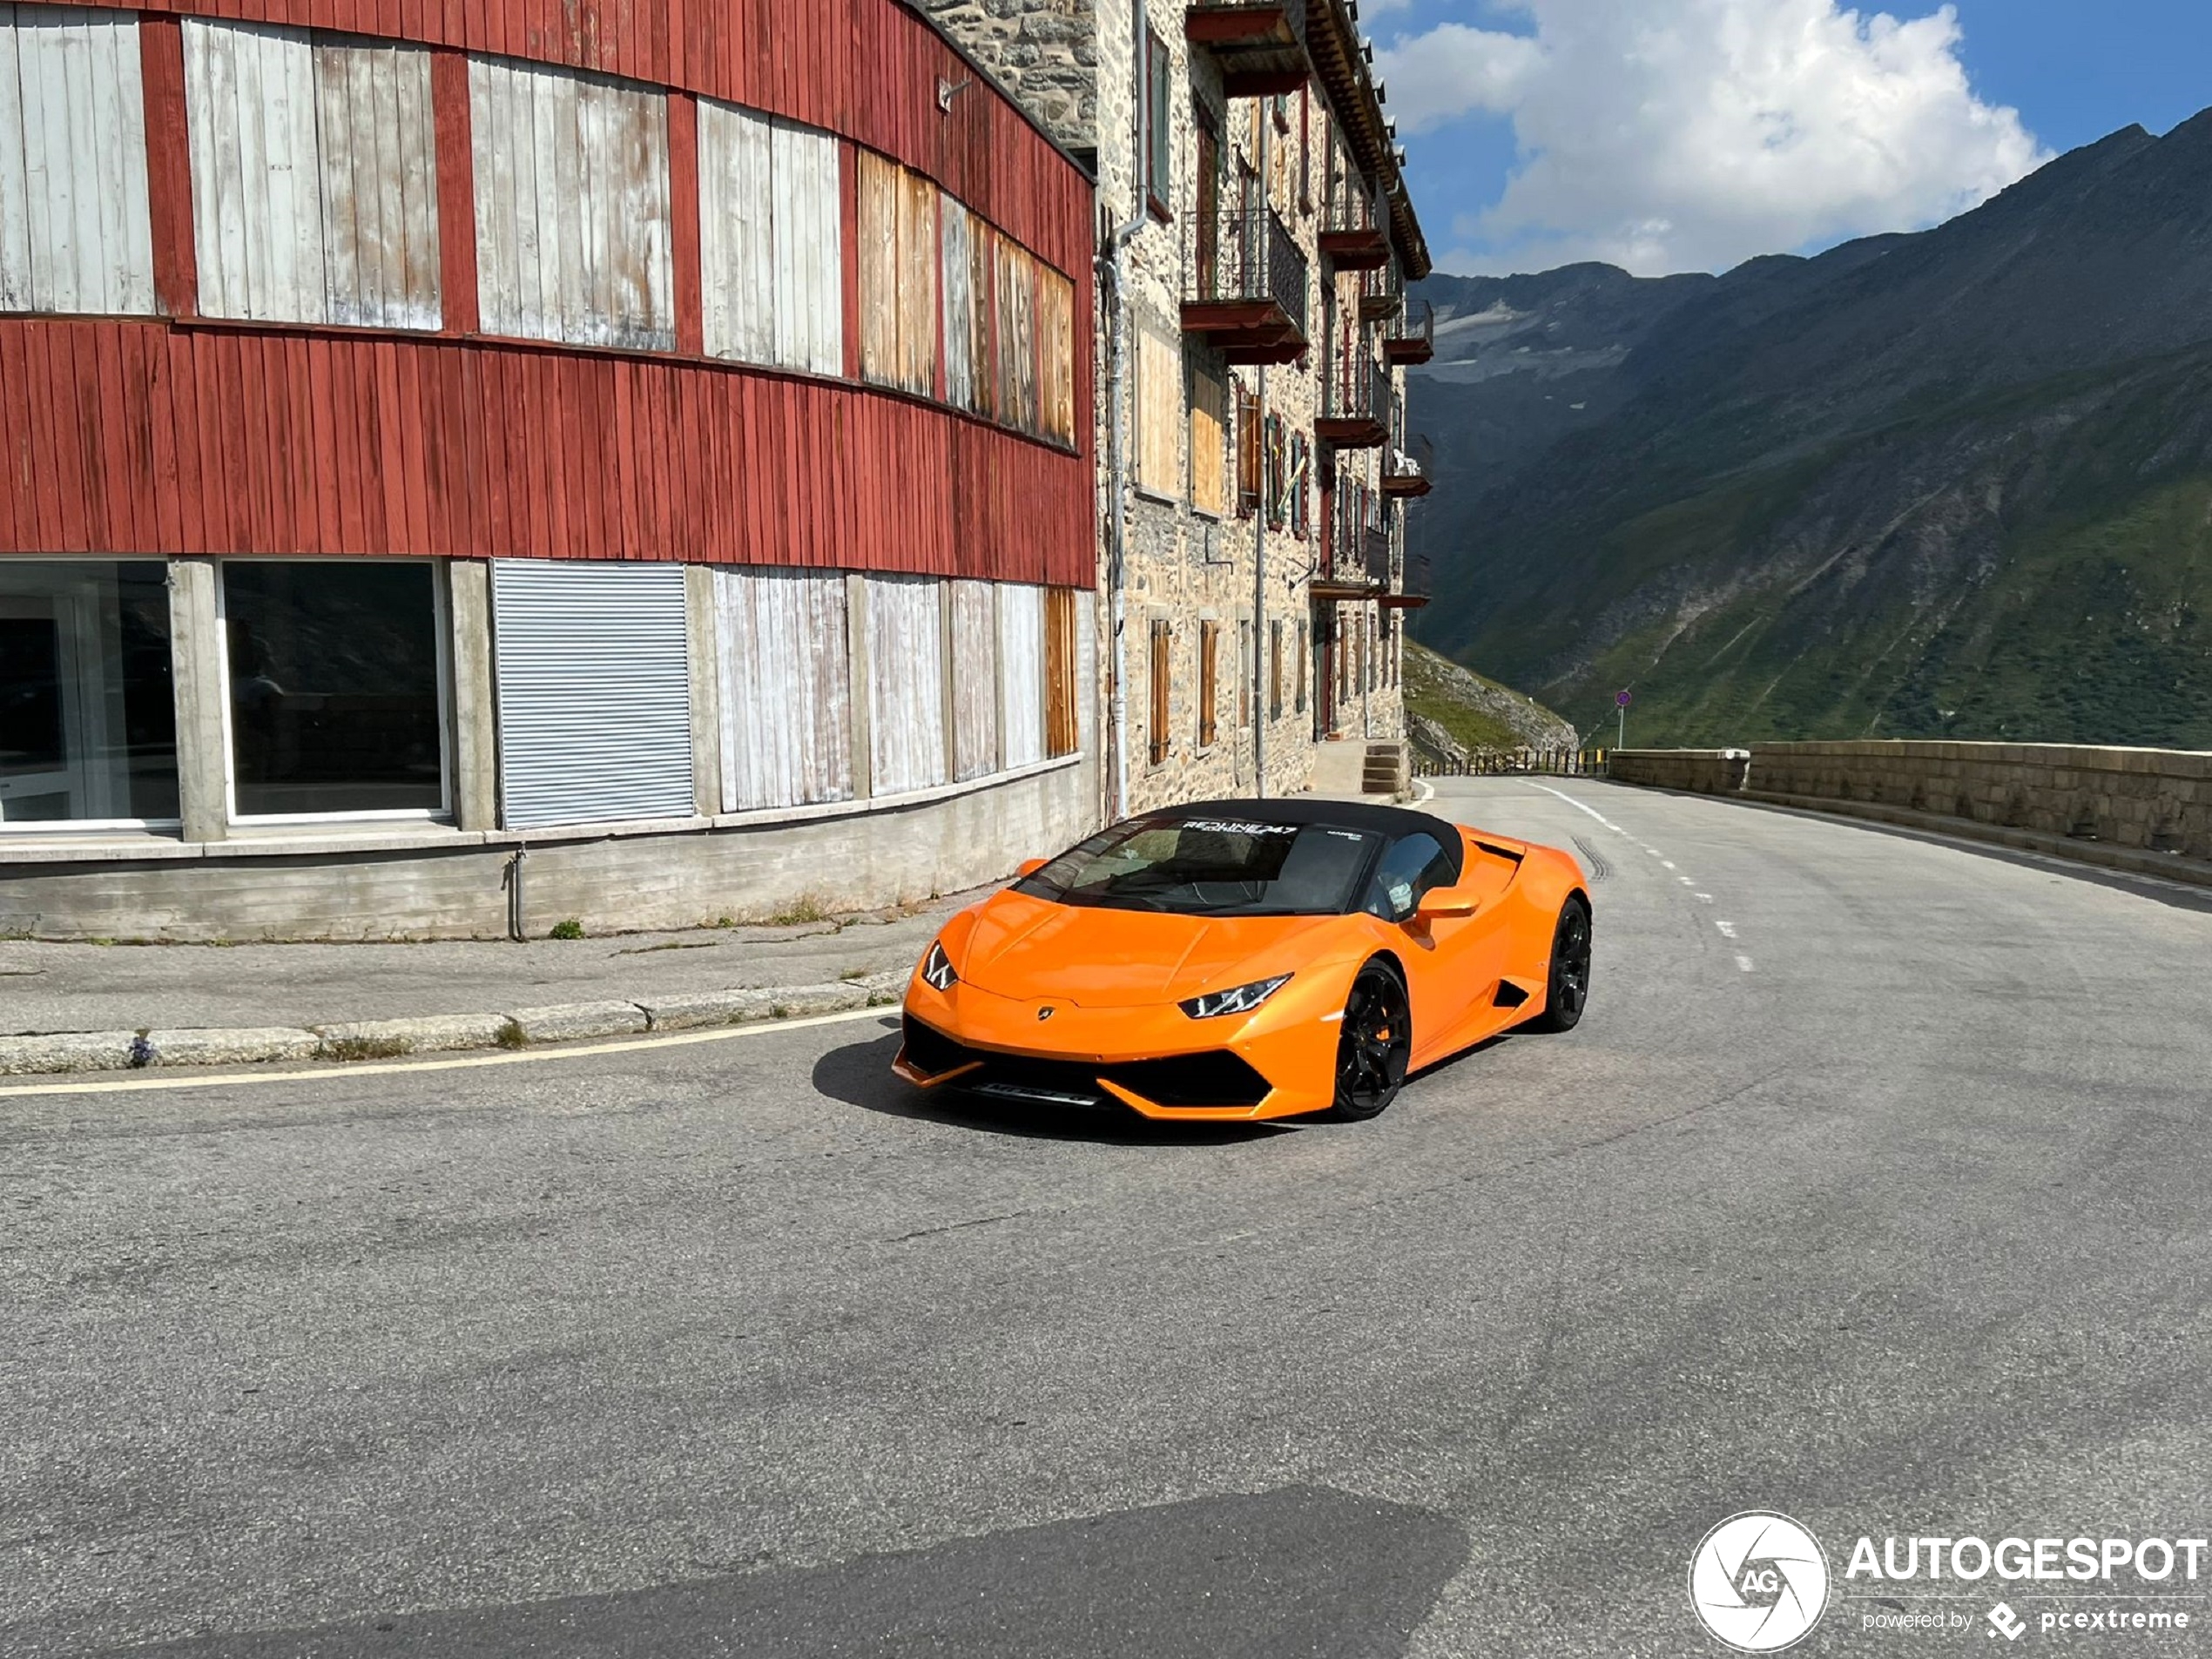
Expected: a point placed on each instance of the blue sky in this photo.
(1686, 134)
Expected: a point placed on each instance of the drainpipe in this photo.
(1259, 518)
(1114, 269)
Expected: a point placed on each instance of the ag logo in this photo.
(1758, 1582)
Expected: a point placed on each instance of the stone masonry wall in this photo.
(1045, 52)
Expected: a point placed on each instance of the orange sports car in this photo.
(1249, 959)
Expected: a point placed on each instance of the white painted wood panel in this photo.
(378, 140)
(770, 249)
(75, 232)
(975, 679)
(1021, 614)
(256, 166)
(574, 238)
(786, 687)
(906, 683)
(960, 306)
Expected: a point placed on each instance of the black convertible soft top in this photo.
(1393, 822)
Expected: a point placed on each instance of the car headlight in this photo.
(937, 969)
(1243, 1000)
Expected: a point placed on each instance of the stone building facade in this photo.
(1256, 237)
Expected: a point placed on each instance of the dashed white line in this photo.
(1728, 929)
(1744, 962)
(1685, 881)
(1702, 898)
(1666, 864)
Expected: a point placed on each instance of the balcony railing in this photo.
(1357, 557)
(1382, 292)
(1245, 286)
(1413, 586)
(1354, 232)
(1260, 45)
(1411, 338)
(1403, 478)
(1358, 402)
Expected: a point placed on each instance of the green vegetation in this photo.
(571, 928)
(1476, 712)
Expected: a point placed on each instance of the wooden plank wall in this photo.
(1016, 283)
(975, 680)
(1209, 443)
(314, 175)
(1021, 608)
(906, 683)
(574, 237)
(121, 438)
(786, 687)
(963, 327)
(770, 224)
(75, 227)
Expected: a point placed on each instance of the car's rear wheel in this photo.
(1567, 990)
(1374, 1044)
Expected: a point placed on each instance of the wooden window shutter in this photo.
(1159, 733)
(1209, 681)
(1247, 453)
(1061, 731)
(1275, 669)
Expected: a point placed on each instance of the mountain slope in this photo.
(1952, 482)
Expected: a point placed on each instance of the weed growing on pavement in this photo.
(569, 928)
(510, 1035)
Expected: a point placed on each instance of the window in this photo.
(88, 722)
(76, 234)
(1209, 681)
(1161, 637)
(1159, 127)
(574, 237)
(1160, 409)
(1275, 669)
(1248, 454)
(1412, 867)
(1210, 866)
(899, 262)
(1277, 472)
(770, 235)
(335, 687)
(1061, 728)
(787, 687)
(1209, 443)
(314, 177)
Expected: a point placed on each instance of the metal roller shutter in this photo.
(595, 696)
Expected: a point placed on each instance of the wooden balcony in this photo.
(1356, 404)
(1403, 479)
(1355, 235)
(1413, 591)
(1413, 338)
(1260, 45)
(1246, 296)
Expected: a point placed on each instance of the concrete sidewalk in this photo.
(98, 1008)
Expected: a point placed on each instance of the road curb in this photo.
(62, 1053)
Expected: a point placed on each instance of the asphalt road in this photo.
(1872, 1190)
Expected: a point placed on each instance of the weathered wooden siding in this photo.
(1159, 412)
(975, 680)
(906, 683)
(771, 237)
(1065, 666)
(1055, 354)
(314, 177)
(1209, 443)
(75, 231)
(964, 325)
(573, 228)
(898, 268)
(122, 438)
(1021, 673)
(1016, 284)
(786, 687)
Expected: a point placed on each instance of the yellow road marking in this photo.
(464, 1063)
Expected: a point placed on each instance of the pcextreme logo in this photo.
(1758, 1582)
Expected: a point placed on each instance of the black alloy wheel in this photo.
(1375, 1045)
(1567, 986)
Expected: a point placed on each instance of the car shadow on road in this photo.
(1297, 1569)
(859, 1074)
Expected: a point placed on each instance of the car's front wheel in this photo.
(1374, 1044)
(1567, 989)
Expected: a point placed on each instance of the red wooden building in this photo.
(433, 428)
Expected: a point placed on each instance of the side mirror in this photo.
(1030, 866)
(1444, 903)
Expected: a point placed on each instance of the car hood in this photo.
(1020, 947)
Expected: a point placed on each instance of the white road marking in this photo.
(1728, 929)
(468, 1062)
(1685, 881)
(1744, 962)
(1424, 793)
(1666, 864)
(1702, 898)
(1581, 806)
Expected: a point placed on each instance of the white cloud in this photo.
(1667, 135)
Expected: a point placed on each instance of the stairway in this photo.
(1388, 771)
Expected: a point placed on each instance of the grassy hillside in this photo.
(1472, 711)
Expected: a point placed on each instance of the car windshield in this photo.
(1212, 866)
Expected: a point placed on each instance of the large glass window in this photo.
(88, 721)
(335, 682)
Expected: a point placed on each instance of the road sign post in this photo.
(1622, 703)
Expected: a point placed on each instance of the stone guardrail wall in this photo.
(2133, 808)
(1704, 772)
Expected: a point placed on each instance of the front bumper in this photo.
(1158, 1061)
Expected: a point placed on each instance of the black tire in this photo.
(1566, 982)
(1374, 1045)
